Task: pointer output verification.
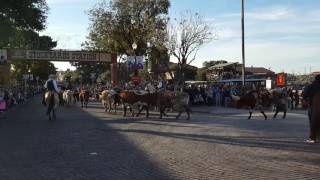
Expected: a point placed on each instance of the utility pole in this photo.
(310, 70)
(243, 47)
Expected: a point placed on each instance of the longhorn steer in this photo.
(132, 98)
(109, 98)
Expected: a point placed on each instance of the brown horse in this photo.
(52, 103)
(280, 100)
(84, 98)
(254, 99)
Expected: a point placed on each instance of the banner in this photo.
(268, 84)
(135, 62)
(61, 55)
(281, 79)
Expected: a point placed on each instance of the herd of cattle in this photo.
(174, 100)
(135, 100)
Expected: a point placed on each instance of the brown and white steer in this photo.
(134, 98)
(110, 98)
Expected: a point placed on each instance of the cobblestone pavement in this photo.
(90, 144)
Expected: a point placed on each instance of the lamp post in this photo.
(148, 62)
(26, 78)
(134, 47)
(38, 89)
(243, 45)
(81, 78)
(93, 76)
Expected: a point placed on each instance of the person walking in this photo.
(296, 99)
(308, 96)
(218, 97)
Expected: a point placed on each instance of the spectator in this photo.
(218, 97)
(297, 99)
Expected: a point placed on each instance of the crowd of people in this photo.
(16, 95)
(220, 95)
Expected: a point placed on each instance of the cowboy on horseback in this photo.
(51, 98)
(308, 96)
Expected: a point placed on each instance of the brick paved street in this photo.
(89, 144)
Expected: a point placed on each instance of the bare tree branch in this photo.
(186, 37)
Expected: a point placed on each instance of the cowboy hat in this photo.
(52, 76)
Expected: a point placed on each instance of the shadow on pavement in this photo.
(75, 146)
(258, 142)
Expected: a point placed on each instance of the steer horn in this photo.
(235, 98)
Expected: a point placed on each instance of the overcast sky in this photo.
(283, 35)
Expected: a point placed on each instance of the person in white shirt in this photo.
(51, 84)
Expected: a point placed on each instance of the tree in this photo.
(72, 76)
(115, 26)
(119, 24)
(185, 37)
(208, 64)
(24, 15)
(104, 77)
(86, 68)
(158, 57)
(190, 72)
(32, 40)
(201, 74)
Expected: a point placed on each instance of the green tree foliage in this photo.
(104, 77)
(208, 64)
(24, 15)
(86, 68)
(32, 40)
(19, 21)
(201, 74)
(72, 76)
(115, 26)
(158, 60)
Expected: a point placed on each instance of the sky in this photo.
(281, 35)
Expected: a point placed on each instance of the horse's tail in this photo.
(51, 103)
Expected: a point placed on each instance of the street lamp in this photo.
(134, 47)
(26, 78)
(148, 62)
(243, 47)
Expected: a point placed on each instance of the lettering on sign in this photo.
(59, 55)
(64, 56)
